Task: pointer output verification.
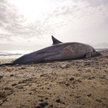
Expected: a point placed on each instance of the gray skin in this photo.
(57, 52)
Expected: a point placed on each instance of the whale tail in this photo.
(55, 41)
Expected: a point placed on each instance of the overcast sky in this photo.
(29, 24)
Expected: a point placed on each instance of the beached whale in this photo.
(57, 52)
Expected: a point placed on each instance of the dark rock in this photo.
(73, 106)
(89, 78)
(1, 103)
(14, 84)
(67, 84)
(51, 106)
(98, 100)
(58, 100)
(87, 63)
(37, 106)
(93, 77)
(48, 88)
(63, 102)
(71, 79)
(70, 95)
(79, 80)
(30, 93)
(78, 96)
(43, 75)
(89, 94)
(79, 70)
(103, 77)
(43, 104)
(63, 66)
(11, 75)
(46, 98)
(1, 77)
(41, 100)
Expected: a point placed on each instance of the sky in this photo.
(29, 24)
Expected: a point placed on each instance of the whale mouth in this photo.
(96, 54)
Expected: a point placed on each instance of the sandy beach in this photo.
(68, 84)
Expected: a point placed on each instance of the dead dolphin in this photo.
(57, 52)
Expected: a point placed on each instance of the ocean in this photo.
(8, 54)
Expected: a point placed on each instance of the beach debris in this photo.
(89, 94)
(67, 84)
(86, 63)
(103, 76)
(1, 102)
(51, 105)
(73, 106)
(63, 66)
(11, 75)
(98, 100)
(37, 106)
(79, 70)
(10, 69)
(43, 104)
(71, 79)
(43, 75)
(89, 78)
(58, 100)
(41, 100)
(46, 98)
(88, 70)
(1, 77)
(23, 67)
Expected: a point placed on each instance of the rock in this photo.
(86, 63)
(51, 105)
(63, 66)
(1, 77)
(88, 70)
(89, 78)
(41, 100)
(37, 106)
(14, 84)
(98, 100)
(58, 100)
(1, 102)
(89, 94)
(43, 104)
(11, 75)
(30, 93)
(79, 70)
(67, 84)
(46, 98)
(48, 88)
(73, 106)
(103, 77)
(78, 96)
(43, 75)
(71, 79)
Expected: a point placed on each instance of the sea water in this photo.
(8, 54)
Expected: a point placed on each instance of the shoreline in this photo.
(67, 84)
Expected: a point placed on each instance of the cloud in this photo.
(66, 14)
(10, 19)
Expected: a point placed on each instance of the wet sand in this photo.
(68, 84)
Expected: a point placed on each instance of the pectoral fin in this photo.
(88, 55)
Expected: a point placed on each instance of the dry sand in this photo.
(68, 84)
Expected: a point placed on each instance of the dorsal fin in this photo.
(55, 41)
